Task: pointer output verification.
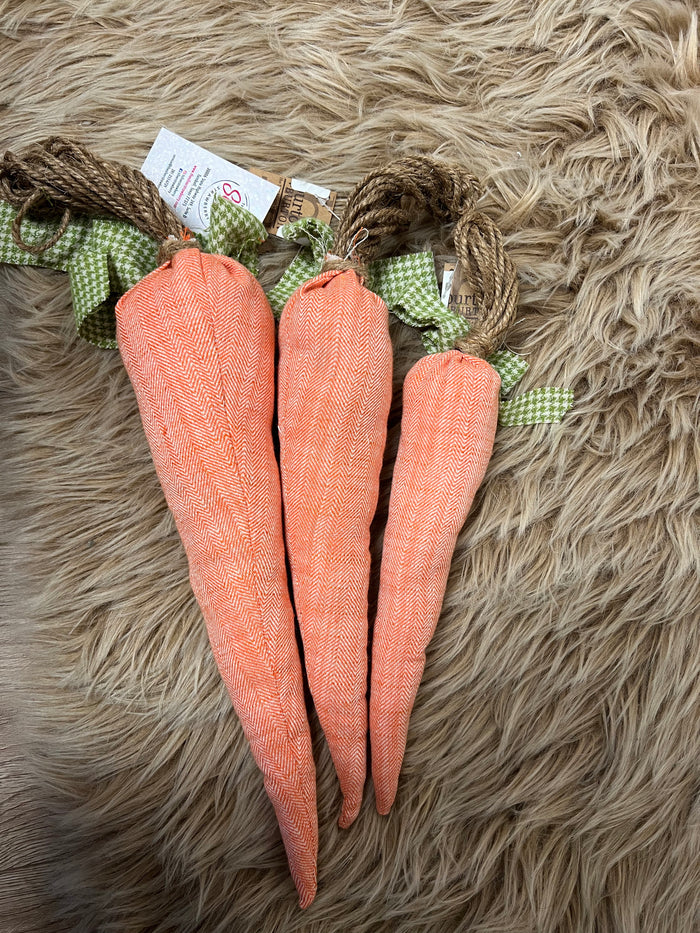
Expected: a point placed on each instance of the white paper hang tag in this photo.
(321, 194)
(188, 177)
(448, 276)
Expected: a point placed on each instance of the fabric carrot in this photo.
(450, 412)
(335, 367)
(197, 338)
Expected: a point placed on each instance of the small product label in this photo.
(457, 292)
(188, 177)
(297, 199)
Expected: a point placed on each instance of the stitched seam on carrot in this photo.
(175, 345)
(293, 739)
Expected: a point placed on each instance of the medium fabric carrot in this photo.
(197, 338)
(450, 411)
(335, 368)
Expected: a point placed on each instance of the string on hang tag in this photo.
(335, 263)
(333, 213)
(363, 234)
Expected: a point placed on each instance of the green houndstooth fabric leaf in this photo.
(307, 262)
(104, 258)
(235, 232)
(115, 257)
(510, 367)
(56, 257)
(545, 405)
(409, 287)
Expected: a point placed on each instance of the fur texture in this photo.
(551, 778)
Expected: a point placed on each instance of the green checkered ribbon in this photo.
(408, 285)
(105, 258)
(233, 231)
(510, 367)
(546, 405)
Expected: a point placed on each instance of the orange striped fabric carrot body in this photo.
(450, 410)
(197, 338)
(335, 369)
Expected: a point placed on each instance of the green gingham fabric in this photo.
(510, 367)
(409, 287)
(233, 231)
(546, 405)
(105, 258)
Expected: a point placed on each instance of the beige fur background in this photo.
(551, 779)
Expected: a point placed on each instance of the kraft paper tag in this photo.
(297, 200)
(188, 177)
(456, 292)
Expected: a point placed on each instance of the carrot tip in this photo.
(306, 897)
(349, 813)
(384, 803)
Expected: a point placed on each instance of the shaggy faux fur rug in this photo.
(551, 778)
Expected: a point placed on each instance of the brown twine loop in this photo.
(66, 173)
(16, 229)
(448, 193)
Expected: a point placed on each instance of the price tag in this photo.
(188, 177)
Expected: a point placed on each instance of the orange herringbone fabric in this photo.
(334, 396)
(197, 338)
(450, 410)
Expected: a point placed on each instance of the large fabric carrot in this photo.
(197, 338)
(450, 411)
(334, 377)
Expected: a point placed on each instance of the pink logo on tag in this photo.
(229, 190)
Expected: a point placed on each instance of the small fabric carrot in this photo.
(450, 412)
(197, 338)
(335, 367)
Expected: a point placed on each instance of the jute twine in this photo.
(385, 203)
(60, 172)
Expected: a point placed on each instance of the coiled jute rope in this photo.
(60, 172)
(385, 203)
